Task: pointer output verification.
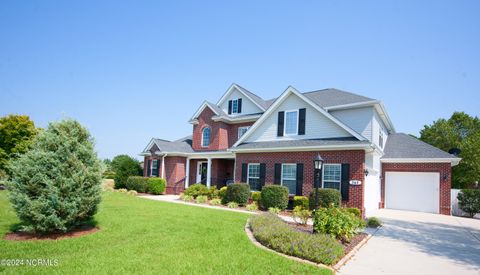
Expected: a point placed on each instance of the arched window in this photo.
(205, 137)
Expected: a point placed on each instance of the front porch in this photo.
(210, 170)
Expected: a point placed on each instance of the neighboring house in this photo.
(243, 138)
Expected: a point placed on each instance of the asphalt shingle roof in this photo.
(300, 143)
(183, 145)
(401, 145)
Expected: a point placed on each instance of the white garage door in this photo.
(412, 191)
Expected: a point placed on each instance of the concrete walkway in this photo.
(419, 243)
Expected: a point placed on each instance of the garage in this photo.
(413, 191)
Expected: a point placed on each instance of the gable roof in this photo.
(183, 145)
(251, 96)
(290, 90)
(400, 146)
(217, 110)
(334, 97)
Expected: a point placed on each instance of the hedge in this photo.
(137, 183)
(156, 186)
(301, 201)
(196, 190)
(237, 192)
(272, 232)
(274, 196)
(326, 197)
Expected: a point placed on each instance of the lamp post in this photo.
(318, 164)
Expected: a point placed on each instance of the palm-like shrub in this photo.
(56, 185)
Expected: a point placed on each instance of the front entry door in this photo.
(202, 172)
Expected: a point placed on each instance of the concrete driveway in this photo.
(419, 243)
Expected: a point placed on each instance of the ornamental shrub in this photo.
(187, 198)
(156, 186)
(337, 222)
(275, 196)
(301, 201)
(232, 204)
(125, 166)
(301, 215)
(237, 192)
(132, 193)
(355, 211)
(326, 197)
(274, 210)
(137, 183)
(222, 192)
(201, 199)
(272, 232)
(252, 207)
(196, 190)
(213, 192)
(56, 186)
(256, 196)
(469, 201)
(373, 222)
(215, 202)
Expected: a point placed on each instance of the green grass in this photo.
(143, 236)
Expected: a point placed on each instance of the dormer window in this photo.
(235, 106)
(291, 122)
(205, 137)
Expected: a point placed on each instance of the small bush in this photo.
(125, 166)
(132, 193)
(274, 196)
(469, 201)
(302, 214)
(354, 211)
(215, 202)
(256, 196)
(274, 210)
(237, 192)
(196, 190)
(252, 207)
(156, 186)
(187, 198)
(374, 222)
(232, 204)
(222, 192)
(137, 183)
(272, 232)
(213, 192)
(108, 175)
(326, 197)
(337, 222)
(201, 199)
(122, 190)
(301, 201)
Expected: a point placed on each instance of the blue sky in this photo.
(134, 70)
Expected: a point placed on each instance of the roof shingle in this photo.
(403, 146)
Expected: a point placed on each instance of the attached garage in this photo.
(413, 191)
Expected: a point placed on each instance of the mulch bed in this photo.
(23, 236)
(346, 246)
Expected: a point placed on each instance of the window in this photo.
(289, 177)
(242, 131)
(253, 177)
(205, 137)
(332, 176)
(291, 122)
(235, 106)
(154, 168)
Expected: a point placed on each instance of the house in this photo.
(244, 138)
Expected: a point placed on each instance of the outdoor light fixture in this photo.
(445, 176)
(317, 176)
(366, 172)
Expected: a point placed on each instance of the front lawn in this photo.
(143, 236)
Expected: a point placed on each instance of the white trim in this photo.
(352, 105)
(209, 172)
(453, 161)
(303, 148)
(281, 176)
(238, 131)
(187, 173)
(231, 89)
(163, 166)
(200, 110)
(285, 123)
(290, 90)
(234, 120)
(235, 113)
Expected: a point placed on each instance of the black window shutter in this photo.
(229, 107)
(262, 174)
(278, 173)
(345, 181)
(149, 165)
(244, 172)
(281, 117)
(239, 105)
(299, 179)
(158, 168)
(301, 121)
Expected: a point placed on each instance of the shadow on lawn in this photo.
(453, 242)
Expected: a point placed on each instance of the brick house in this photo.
(244, 138)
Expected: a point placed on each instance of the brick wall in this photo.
(445, 184)
(218, 132)
(356, 159)
(233, 132)
(175, 174)
(145, 164)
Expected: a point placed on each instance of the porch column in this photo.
(163, 166)
(187, 173)
(209, 172)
